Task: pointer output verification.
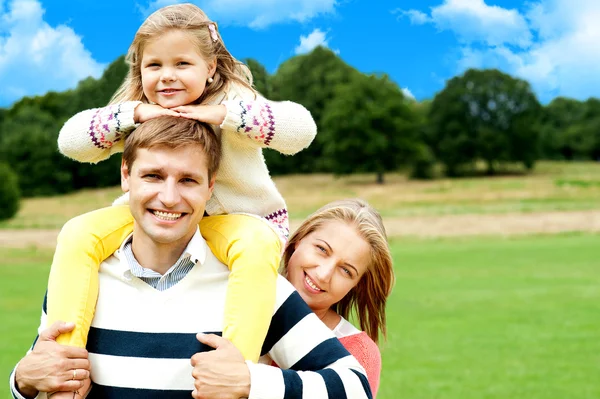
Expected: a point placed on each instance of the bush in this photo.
(9, 192)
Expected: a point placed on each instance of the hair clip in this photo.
(213, 32)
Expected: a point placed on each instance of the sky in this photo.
(554, 44)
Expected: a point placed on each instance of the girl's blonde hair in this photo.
(188, 18)
(367, 299)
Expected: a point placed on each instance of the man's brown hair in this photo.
(174, 132)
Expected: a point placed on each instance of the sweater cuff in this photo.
(234, 117)
(266, 382)
(15, 392)
(126, 114)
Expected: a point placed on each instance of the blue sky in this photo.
(554, 44)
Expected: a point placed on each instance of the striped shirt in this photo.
(156, 280)
(142, 339)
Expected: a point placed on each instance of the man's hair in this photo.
(174, 133)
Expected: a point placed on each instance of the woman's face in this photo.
(328, 263)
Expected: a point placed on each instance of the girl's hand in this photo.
(213, 114)
(144, 112)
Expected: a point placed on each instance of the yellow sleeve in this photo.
(83, 243)
(252, 251)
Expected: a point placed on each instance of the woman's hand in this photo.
(213, 114)
(144, 112)
(221, 373)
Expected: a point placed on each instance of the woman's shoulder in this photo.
(360, 342)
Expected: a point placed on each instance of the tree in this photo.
(260, 77)
(308, 79)
(28, 145)
(9, 192)
(487, 115)
(368, 127)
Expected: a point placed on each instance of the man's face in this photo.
(168, 191)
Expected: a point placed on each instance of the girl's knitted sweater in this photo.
(243, 183)
(362, 347)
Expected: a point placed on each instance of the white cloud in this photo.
(407, 93)
(563, 60)
(314, 39)
(35, 57)
(257, 13)
(416, 17)
(473, 20)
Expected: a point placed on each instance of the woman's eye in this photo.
(183, 63)
(347, 271)
(152, 65)
(321, 248)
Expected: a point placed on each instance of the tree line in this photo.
(366, 125)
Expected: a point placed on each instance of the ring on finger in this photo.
(74, 374)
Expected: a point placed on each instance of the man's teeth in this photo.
(167, 215)
(311, 284)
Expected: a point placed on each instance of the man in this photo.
(164, 285)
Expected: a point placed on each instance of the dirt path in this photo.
(430, 226)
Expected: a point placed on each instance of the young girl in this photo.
(180, 66)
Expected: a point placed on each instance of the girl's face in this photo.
(328, 263)
(173, 71)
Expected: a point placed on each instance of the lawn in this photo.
(469, 318)
(553, 186)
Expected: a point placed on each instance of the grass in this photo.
(469, 318)
(554, 186)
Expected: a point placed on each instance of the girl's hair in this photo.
(367, 299)
(190, 19)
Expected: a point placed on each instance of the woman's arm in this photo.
(362, 347)
(314, 364)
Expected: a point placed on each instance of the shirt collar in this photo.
(196, 249)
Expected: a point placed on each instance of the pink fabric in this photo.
(362, 347)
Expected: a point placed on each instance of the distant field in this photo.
(553, 186)
(469, 318)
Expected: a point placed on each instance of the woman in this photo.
(340, 263)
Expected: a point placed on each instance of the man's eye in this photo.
(151, 176)
(189, 180)
(183, 63)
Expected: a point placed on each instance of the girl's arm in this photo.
(284, 126)
(95, 134)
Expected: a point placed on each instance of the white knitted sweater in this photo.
(243, 183)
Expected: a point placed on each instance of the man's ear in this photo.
(211, 185)
(124, 177)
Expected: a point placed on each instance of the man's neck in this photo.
(156, 256)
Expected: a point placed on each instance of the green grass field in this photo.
(469, 318)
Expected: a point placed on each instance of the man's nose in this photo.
(169, 194)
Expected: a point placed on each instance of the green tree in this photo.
(260, 76)
(487, 115)
(308, 79)
(28, 145)
(368, 127)
(9, 192)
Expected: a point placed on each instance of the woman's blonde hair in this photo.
(191, 19)
(368, 298)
